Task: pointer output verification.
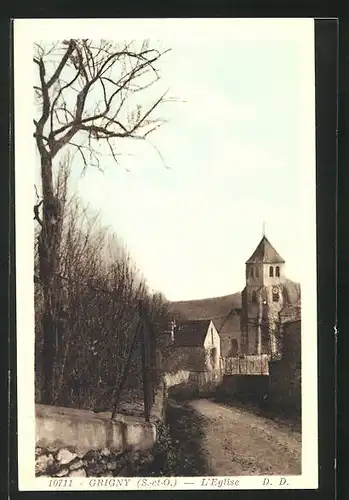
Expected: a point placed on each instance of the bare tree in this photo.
(87, 95)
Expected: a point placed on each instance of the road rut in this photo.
(237, 442)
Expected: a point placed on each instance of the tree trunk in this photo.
(48, 260)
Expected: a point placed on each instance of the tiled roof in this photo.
(191, 333)
(223, 311)
(265, 252)
(230, 326)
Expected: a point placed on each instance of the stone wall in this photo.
(53, 461)
(71, 442)
(260, 319)
(176, 358)
(186, 383)
(189, 371)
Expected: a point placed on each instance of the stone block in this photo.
(106, 452)
(43, 462)
(62, 472)
(76, 464)
(77, 473)
(65, 456)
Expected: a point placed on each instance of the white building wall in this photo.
(213, 341)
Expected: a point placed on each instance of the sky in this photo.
(230, 162)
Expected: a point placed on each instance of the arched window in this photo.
(254, 297)
(257, 272)
(271, 271)
(277, 272)
(251, 272)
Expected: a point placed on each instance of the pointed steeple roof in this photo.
(265, 252)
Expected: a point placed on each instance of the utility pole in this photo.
(126, 372)
(145, 362)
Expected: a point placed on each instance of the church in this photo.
(249, 322)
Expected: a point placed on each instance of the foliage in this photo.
(166, 452)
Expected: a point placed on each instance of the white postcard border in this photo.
(25, 32)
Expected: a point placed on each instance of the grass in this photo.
(186, 429)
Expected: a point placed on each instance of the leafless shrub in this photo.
(97, 289)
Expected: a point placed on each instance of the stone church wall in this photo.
(261, 319)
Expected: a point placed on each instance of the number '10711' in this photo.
(60, 482)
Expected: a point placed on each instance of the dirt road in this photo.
(217, 440)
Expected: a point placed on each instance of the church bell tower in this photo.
(262, 298)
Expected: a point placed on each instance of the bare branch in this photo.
(112, 151)
(68, 53)
(151, 109)
(45, 107)
(126, 79)
(59, 93)
(36, 193)
(36, 212)
(103, 132)
(80, 150)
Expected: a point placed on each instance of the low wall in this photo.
(186, 383)
(80, 442)
(176, 358)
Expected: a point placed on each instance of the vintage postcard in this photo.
(166, 254)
